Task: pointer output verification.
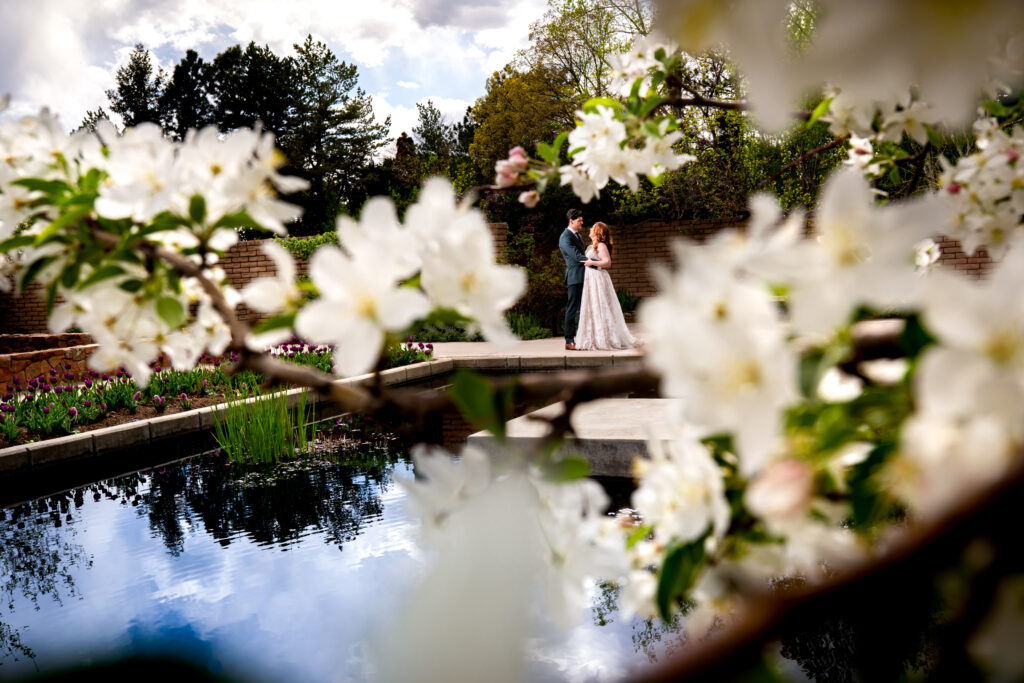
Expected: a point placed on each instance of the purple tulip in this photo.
(46, 411)
(103, 407)
(87, 404)
(137, 395)
(88, 384)
(8, 396)
(53, 373)
(184, 396)
(58, 390)
(72, 412)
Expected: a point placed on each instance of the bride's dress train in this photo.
(601, 326)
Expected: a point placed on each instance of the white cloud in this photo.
(63, 53)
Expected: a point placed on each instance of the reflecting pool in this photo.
(255, 573)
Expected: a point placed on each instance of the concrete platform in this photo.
(611, 432)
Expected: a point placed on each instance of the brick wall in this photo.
(636, 248)
(977, 266)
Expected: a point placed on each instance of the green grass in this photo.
(265, 429)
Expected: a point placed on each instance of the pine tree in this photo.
(137, 95)
(333, 136)
(186, 102)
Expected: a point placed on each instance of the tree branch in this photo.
(804, 157)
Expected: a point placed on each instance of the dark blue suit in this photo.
(571, 246)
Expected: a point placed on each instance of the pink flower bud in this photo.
(529, 199)
(953, 188)
(518, 158)
(782, 491)
(508, 175)
(1012, 154)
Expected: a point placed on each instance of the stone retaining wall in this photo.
(31, 364)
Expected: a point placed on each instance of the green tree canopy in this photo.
(517, 110)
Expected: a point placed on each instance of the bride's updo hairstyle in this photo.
(602, 233)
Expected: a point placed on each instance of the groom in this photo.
(572, 248)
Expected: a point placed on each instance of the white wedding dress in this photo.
(601, 326)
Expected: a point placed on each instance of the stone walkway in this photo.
(537, 348)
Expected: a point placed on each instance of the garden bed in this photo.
(63, 401)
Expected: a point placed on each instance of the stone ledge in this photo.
(62, 448)
(121, 436)
(14, 459)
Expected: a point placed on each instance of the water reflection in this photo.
(269, 504)
(265, 507)
(38, 562)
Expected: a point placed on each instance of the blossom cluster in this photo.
(985, 190)
(366, 287)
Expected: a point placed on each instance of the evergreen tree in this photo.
(250, 86)
(137, 95)
(92, 118)
(186, 102)
(432, 133)
(332, 137)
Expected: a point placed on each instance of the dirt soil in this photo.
(123, 416)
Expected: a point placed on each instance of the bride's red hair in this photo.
(602, 233)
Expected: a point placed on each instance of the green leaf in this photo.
(677, 574)
(933, 136)
(100, 274)
(51, 297)
(811, 368)
(65, 219)
(18, 242)
(651, 104)
(915, 337)
(52, 188)
(90, 182)
(70, 275)
(197, 208)
(34, 268)
(995, 108)
(591, 105)
(819, 111)
(568, 469)
(476, 399)
(894, 175)
(547, 152)
(170, 311)
(131, 286)
(638, 534)
(276, 322)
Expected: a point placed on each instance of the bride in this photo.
(601, 324)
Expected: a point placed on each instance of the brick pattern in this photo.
(977, 265)
(637, 247)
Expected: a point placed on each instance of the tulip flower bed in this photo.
(56, 404)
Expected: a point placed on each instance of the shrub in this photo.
(627, 300)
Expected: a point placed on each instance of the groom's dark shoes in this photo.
(570, 346)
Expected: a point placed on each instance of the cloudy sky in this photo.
(63, 53)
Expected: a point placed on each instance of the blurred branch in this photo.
(804, 157)
(874, 586)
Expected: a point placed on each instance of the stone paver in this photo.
(610, 432)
